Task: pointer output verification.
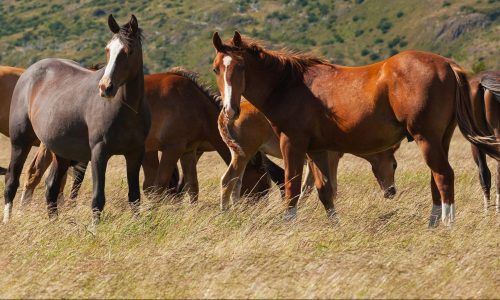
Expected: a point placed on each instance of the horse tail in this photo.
(227, 136)
(465, 119)
(276, 173)
(3, 171)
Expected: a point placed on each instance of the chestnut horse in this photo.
(82, 115)
(183, 125)
(8, 80)
(252, 133)
(485, 111)
(315, 105)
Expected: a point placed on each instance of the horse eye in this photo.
(216, 71)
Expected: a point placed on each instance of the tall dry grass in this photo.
(380, 248)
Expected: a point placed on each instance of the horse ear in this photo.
(237, 39)
(134, 25)
(113, 26)
(219, 46)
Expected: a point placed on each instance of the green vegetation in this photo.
(178, 32)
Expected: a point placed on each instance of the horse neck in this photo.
(133, 92)
(260, 83)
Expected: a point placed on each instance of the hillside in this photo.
(351, 32)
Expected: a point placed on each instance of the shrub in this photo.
(394, 42)
(358, 32)
(374, 56)
(400, 14)
(365, 52)
(378, 41)
(384, 25)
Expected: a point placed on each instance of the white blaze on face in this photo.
(228, 90)
(115, 46)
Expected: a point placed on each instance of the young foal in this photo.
(485, 109)
(315, 105)
(252, 133)
(81, 115)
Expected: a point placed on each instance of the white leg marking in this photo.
(448, 215)
(435, 214)
(26, 197)
(7, 211)
(486, 201)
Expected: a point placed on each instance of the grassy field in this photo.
(381, 248)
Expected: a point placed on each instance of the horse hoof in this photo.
(448, 214)
(224, 205)
(7, 211)
(331, 214)
(435, 214)
(26, 197)
(290, 213)
(96, 218)
(52, 212)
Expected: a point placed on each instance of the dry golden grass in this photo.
(381, 248)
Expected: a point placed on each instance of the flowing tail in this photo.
(465, 119)
(3, 171)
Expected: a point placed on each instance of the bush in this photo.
(374, 56)
(358, 32)
(378, 41)
(400, 14)
(394, 42)
(365, 52)
(384, 25)
(278, 16)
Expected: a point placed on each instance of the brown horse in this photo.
(183, 126)
(485, 114)
(252, 133)
(315, 105)
(82, 115)
(8, 80)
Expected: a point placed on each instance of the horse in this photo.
(82, 115)
(315, 105)
(8, 80)
(183, 126)
(252, 133)
(484, 108)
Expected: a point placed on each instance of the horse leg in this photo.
(150, 165)
(99, 162)
(134, 161)
(484, 173)
(168, 164)
(188, 165)
(231, 180)
(18, 155)
(308, 183)
(320, 169)
(333, 166)
(78, 174)
(293, 157)
(37, 167)
(435, 155)
(497, 204)
(53, 183)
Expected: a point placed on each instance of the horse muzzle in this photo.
(231, 114)
(390, 192)
(106, 88)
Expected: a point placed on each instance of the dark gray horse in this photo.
(82, 115)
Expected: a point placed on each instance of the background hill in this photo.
(350, 32)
